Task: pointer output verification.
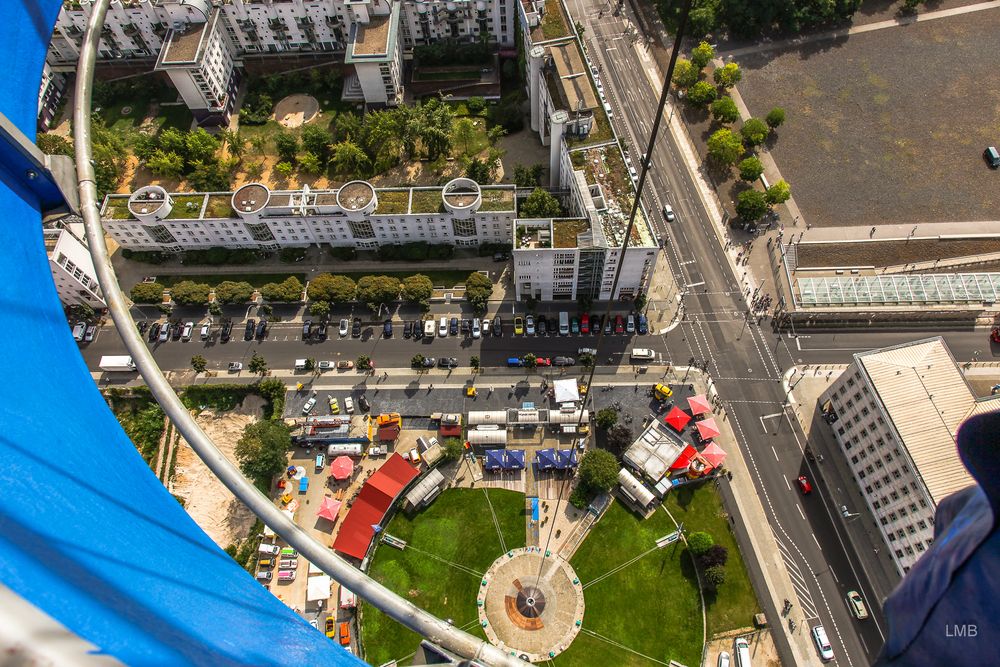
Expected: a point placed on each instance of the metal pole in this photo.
(397, 608)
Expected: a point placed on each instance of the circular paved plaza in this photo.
(533, 616)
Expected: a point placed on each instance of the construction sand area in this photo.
(296, 110)
(225, 519)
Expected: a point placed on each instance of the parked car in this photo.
(429, 328)
(448, 362)
(466, 327)
(574, 326)
(286, 575)
(453, 326)
(154, 332)
(345, 634)
(407, 329)
(518, 326)
(321, 330)
(90, 333)
(356, 328)
(288, 563)
(309, 405)
(363, 404)
(619, 325)
(264, 576)
(165, 332)
(187, 331)
(227, 331)
(345, 365)
(418, 329)
(543, 326)
(142, 326)
(497, 326)
(331, 627)
(443, 327)
(585, 323)
(606, 323)
(349, 405)
(477, 329)
(486, 327)
(586, 350)
(206, 331)
(514, 362)
(595, 324)
(79, 330)
(529, 325)
(334, 406)
(387, 328)
(630, 324)
(175, 331)
(307, 329)
(564, 361)
(250, 328)
(992, 157)
(428, 362)
(326, 365)
(235, 366)
(804, 485)
(261, 329)
(344, 328)
(643, 325)
(543, 361)
(822, 643)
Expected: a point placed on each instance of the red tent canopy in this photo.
(708, 429)
(714, 455)
(684, 459)
(677, 418)
(699, 404)
(342, 467)
(329, 509)
(374, 500)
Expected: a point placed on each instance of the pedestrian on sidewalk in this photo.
(871, 233)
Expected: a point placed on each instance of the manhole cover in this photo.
(126, 111)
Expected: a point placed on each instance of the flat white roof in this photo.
(654, 451)
(926, 398)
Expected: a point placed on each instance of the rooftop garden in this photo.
(497, 200)
(186, 206)
(554, 24)
(427, 201)
(564, 232)
(220, 206)
(117, 208)
(392, 202)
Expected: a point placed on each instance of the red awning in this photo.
(677, 418)
(684, 460)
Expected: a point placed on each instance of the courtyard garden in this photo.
(450, 545)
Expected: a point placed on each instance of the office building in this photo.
(72, 268)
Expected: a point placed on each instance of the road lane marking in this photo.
(786, 482)
(815, 540)
(775, 452)
(801, 513)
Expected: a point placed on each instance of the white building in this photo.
(897, 411)
(49, 95)
(71, 265)
(197, 57)
(356, 215)
(373, 48)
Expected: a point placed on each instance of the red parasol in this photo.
(708, 429)
(677, 418)
(342, 467)
(699, 404)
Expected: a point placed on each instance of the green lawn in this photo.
(652, 606)
(457, 527)
(699, 508)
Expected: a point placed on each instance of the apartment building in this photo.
(895, 413)
(49, 95)
(356, 215)
(71, 265)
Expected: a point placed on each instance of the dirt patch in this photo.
(296, 110)
(210, 504)
(890, 253)
(887, 126)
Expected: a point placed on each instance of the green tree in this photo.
(465, 133)
(262, 451)
(701, 94)
(229, 291)
(376, 291)
(528, 177)
(478, 289)
(310, 164)
(606, 418)
(287, 291)
(211, 176)
(418, 289)
(320, 309)
(715, 576)
(417, 361)
(190, 293)
(639, 301)
(598, 470)
(586, 360)
(236, 143)
(754, 132)
(199, 363)
(257, 364)
(699, 542)
(540, 204)
(286, 145)
(214, 309)
(173, 140)
(348, 158)
(254, 170)
(453, 449)
(285, 169)
(751, 205)
(479, 171)
(364, 363)
(200, 146)
(775, 117)
(474, 363)
(495, 134)
(724, 110)
(316, 140)
(332, 289)
(54, 144)
(529, 360)
(384, 139)
(476, 105)
(618, 439)
(144, 145)
(146, 293)
(751, 168)
(701, 55)
(685, 73)
(728, 75)
(109, 156)
(724, 147)
(778, 193)
(702, 20)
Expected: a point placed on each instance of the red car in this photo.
(585, 323)
(543, 361)
(805, 485)
(995, 335)
(619, 324)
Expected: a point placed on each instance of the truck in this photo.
(116, 363)
(642, 354)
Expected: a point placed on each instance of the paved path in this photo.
(857, 30)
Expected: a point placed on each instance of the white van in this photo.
(563, 323)
(300, 364)
(443, 327)
(429, 328)
(642, 354)
(741, 649)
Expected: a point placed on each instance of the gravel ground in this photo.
(888, 253)
(888, 126)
